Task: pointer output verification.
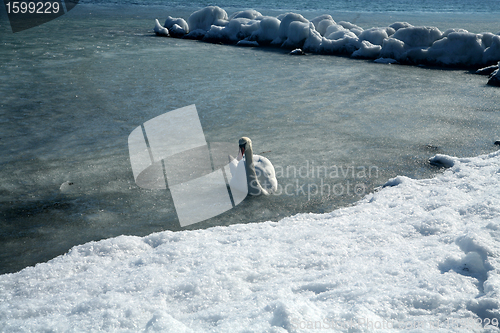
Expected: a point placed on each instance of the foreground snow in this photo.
(400, 41)
(417, 254)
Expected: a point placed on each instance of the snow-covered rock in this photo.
(204, 18)
(159, 30)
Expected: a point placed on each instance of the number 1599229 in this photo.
(22, 7)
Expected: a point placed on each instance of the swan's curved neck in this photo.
(254, 187)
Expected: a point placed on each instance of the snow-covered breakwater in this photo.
(400, 42)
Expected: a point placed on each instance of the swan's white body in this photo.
(265, 174)
(258, 171)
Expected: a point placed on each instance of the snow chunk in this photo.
(332, 28)
(449, 31)
(492, 52)
(177, 31)
(459, 48)
(297, 52)
(396, 181)
(350, 26)
(235, 30)
(367, 50)
(487, 38)
(159, 30)
(398, 25)
(375, 36)
(196, 34)
(321, 18)
(418, 36)
(217, 34)
(204, 18)
(286, 21)
(321, 23)
(297, 34)
(180, 22)
(313, 42)
(341, 42)
(442, 161)
(250, 14)
(267, 32)
(393, 48)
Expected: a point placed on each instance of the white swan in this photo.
(260, 174)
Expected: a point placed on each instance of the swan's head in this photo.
(245, 144)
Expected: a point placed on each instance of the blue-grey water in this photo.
(73, 89)
(402, 6)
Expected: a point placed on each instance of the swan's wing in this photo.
(265, 173)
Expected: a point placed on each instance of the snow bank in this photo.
(416, 255)
(400, 41)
